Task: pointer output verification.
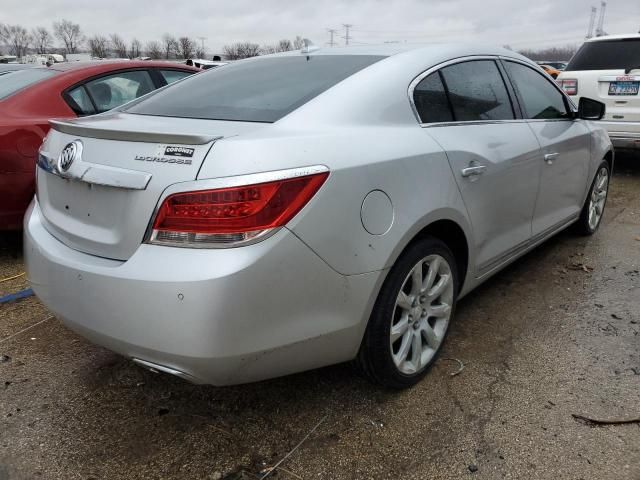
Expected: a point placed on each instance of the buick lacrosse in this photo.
(292, 211)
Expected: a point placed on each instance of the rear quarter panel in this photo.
(399, 160)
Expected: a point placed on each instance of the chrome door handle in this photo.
(550, 157)
(474, 170)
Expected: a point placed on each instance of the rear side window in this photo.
(22, 79)
(540, 98)
(430, 99)
(114, 90)
(171, 76)
(80, 101)
(477, 91)
(256, 90)
(607, 55)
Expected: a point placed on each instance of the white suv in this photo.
(608, 69)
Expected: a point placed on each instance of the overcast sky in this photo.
(519, 23)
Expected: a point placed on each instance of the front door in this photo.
(565, 146)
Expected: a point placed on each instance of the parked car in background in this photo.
(204, 64)
(554, 64)
(553, 72)
(29, 98)
(608, 69)
(6, 68)
(307, 208)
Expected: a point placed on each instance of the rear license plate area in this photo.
(624, 88)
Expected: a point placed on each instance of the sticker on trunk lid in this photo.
(179, 151)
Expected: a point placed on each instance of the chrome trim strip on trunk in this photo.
(84, 130)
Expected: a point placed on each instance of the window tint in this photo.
(540, 98)
(430, 99)
(477, 91)
(81, 103)
(607, 55)
(114, 90)
(171, 76)
(256, 90)
(22, 79)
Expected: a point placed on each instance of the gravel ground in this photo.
(556, 334)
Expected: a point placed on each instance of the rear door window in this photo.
(430, 99)
(477, 91)
(114, 90)
(607, 55)
(540, 98)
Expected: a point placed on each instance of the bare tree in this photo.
(200, 53)
(552, 53)
(298, 43)
(240, 50)
(154, 50)
(69, 33)
(268, 49)
(99, 46)
(118, 45)
(186, 47)
(170, 45)
(284, 46)
(42, 39)
(17, 37)
(134, 50)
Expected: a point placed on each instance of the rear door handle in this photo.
(473, 171)
(550, 157)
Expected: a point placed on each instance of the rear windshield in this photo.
(261, 90)
(10, 84)
(607, 55)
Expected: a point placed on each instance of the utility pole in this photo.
(592, 22)
(600, 29)
(347, 26)
(202, 39)
(332, 32)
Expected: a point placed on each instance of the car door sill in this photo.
(492, 266)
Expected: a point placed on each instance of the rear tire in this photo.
(593, 208)
(411, 316)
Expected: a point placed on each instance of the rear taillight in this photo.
(233, 215)
(569, 85)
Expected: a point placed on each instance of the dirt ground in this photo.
(556, 334)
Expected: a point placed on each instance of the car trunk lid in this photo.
(101, 201)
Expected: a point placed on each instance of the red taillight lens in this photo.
(232, 215)
(570, 86)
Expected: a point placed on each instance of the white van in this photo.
(608, 69)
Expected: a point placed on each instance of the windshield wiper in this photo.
(627, 70)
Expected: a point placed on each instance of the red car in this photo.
(29, 98)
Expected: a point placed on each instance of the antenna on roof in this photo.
(308, 46)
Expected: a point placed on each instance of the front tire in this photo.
(411, 316)
(593, 208)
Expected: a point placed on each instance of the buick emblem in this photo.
(69, 154)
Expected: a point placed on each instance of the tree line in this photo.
(40, 40)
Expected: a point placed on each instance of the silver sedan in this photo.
(303, 209)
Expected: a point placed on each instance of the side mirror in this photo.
(589, 109)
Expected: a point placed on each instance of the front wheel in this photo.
(411, 316)
(593, 208)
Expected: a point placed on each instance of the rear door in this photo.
(467, 108)
(566, 147)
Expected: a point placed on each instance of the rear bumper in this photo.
(623, 135)
(222, 316)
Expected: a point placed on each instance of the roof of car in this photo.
(614, 37)
(75, 66)
(426, 51)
